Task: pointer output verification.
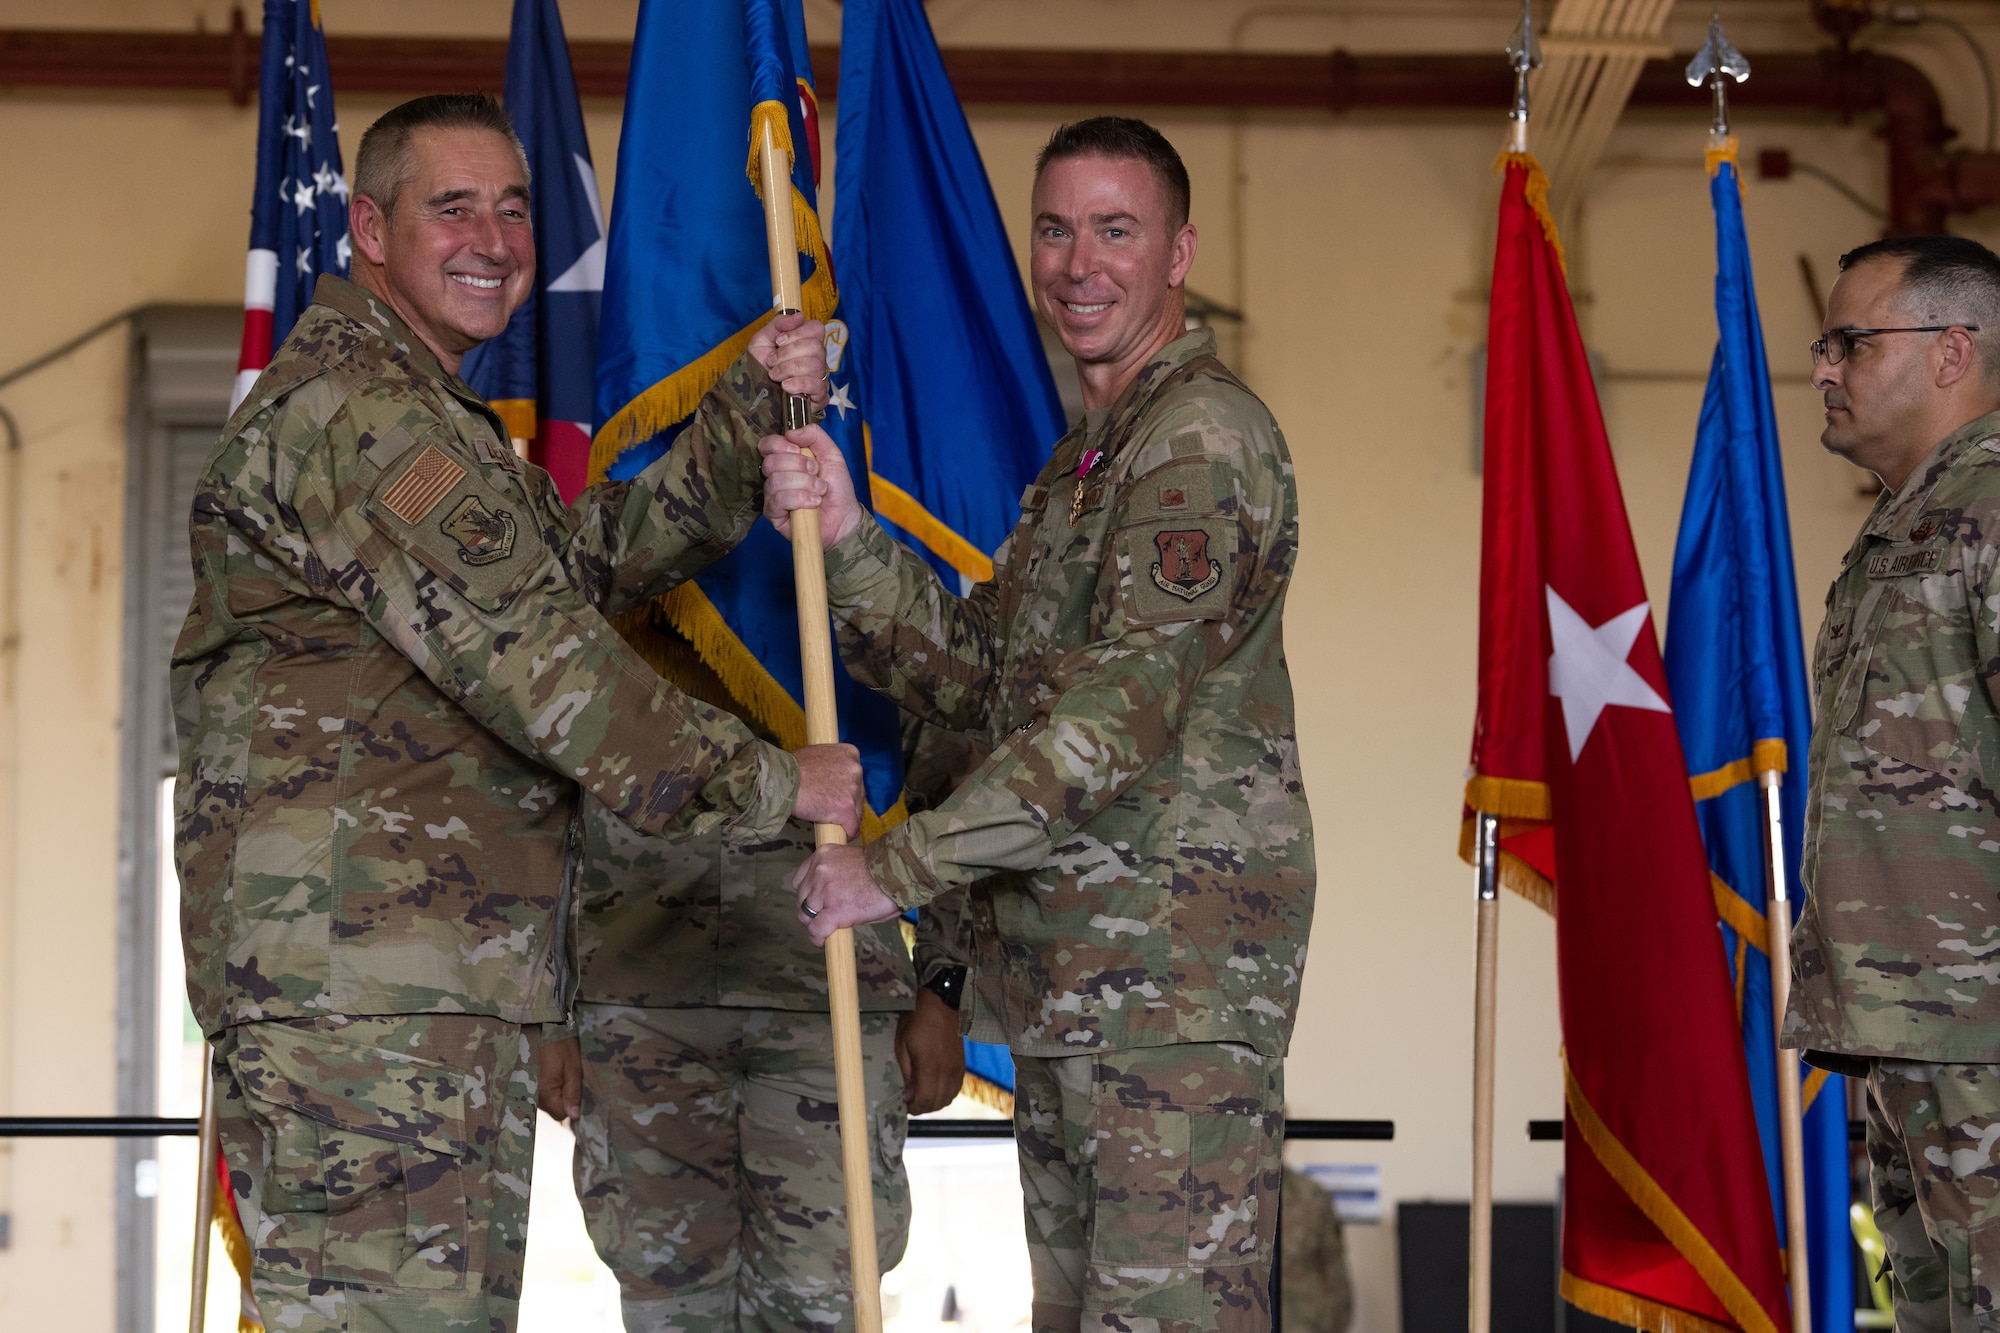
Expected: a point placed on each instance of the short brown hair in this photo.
(382, 163)
(1127, 138)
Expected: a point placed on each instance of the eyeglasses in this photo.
(1832, 346)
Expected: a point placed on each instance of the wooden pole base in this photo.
(209, 1151)
(1485, 1003)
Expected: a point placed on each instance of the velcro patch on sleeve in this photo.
(1180, 569)
(424, 483)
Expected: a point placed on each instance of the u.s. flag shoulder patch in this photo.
(423, 485)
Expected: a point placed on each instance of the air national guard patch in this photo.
(1184, 569)
(483, 535)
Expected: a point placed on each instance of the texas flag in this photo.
(540, 374)
(298, 214)
(1575, 749)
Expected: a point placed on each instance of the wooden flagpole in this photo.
(1791, 1136)
(204, 1197)
(1524, 54)
(823, 728)
(1486, 840)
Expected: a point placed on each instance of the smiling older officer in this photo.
(396, 678)
(1142, 804)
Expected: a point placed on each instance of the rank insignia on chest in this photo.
(483, 535)
(1184, 568)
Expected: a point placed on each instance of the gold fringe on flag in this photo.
(1666, 1215)
(1515, 874)
(675, 398)
(1718, 153)
(988, 1094)
(1536, 192)
(1509, 798)
(723, 658)
(237, 1245)
(1633, 1312)
(1766, 756)
(1736, 913)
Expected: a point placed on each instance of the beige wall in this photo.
(1358, 248)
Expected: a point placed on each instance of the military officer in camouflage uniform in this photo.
(1141, 813)
(701, 1080)
(1896, 957)
(395, 677)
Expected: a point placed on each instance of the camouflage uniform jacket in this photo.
(707, 922)
(703, 922)
(1142, 805)
(397, 671)
(1897, 950)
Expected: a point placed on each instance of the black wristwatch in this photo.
(947, 982)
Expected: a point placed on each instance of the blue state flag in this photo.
(298, 212)
(961, 409)
(687, 282)
(1736, 670)
(540, 374)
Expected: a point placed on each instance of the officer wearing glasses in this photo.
(1896, 957)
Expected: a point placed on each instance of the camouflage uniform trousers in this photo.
(1151, 1182)
(708, 1164)
(381, 1168)
(1932, 1131)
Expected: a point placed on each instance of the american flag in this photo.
(298, 216)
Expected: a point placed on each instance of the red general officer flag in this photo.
(1575, 748)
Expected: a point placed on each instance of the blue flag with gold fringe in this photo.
(961, 409)
(961, 416)
(687, 282)
(1736, 671)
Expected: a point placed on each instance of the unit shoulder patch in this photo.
(423, 485)
(1184, 569)
(484, 535)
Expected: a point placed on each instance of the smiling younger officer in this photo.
(395, 678)
(1138, 832)
(1896, 956)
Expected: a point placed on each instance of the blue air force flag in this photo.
(687, 281)
(1736, 671)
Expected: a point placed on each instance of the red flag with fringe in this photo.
(1574, 748)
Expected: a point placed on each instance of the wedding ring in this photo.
(810, 912)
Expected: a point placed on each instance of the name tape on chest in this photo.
(1896, 564)
(419, 490)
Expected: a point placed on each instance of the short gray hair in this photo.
(382, 163)
(1945, 280)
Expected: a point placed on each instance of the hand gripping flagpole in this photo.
(1525, 54)
(823, 728)
(1718, 64)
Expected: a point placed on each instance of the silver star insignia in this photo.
(841, 403)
